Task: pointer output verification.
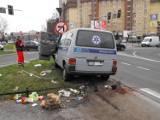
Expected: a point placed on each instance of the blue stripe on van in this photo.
(85, 50)
(63, 48)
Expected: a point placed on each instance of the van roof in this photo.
(90, 29)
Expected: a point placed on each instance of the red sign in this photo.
(61, 27)
(104, 24)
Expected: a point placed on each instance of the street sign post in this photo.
(61, 27)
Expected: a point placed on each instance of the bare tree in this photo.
(3, 24)
(43, 28)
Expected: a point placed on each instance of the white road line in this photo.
(134, 53)
(151, 92)
(138, 57)
(143, 68)
(125, 63)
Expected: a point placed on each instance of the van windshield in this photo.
(95, 39)
(146, 40)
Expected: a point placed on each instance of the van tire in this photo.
(105, 77)
(66, 76)
(56, 65)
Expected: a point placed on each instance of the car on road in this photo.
(1, 47)
(31, 45)
(120, 46)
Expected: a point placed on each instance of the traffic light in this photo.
(10, 10)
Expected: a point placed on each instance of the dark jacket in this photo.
(19, 45)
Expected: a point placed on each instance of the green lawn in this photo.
(6, 52)
(13, 78)
(9, 46)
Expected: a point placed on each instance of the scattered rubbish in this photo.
(108, 87)
(24, 100)
(16, 88)
(54, 81)
(79, 98)
(82, 87)
(121, 90)
(34, 104)
(53, 101)
(20, 72)
(47, 71)
(34, 96)
(42, 74)
(74, 91)
(0, 75)
(40, 98)
(17, 96)
(31, 74)
(64, 93)
(114, 87)
(37, 65)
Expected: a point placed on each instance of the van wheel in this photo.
(66, 76)
(56, 65)
(105, 77)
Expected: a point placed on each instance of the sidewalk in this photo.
(102, 105)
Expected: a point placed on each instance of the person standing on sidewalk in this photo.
(19, 47)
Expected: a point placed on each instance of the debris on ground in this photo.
(79, 98)
(20, 72)
(0, 74)
(34, 104)
(17, 96)
(54, 81)
(108, 87)
(121, 90)
(16, 88)
(64, 93)
(43, 73)
(37, 65)
(74, 91)
(34, 96)
(52, 101)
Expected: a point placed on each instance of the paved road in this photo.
(12, 58)
(140, 68)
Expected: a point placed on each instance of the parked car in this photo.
(1, 47)
(31, 45)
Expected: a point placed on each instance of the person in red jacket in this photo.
(19, 47)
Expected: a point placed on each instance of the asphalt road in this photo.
(139, 68)
(12, 58)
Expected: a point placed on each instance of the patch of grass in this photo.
(13, 77)
(9, 46)
(6, 52)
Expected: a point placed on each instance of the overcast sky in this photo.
(33, 15)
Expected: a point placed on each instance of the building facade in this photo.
(137, 16)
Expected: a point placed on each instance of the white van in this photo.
(87, 51)
(150, 41)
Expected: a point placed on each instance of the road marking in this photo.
(151, 92)
(143, 68)
(134, 53)
(125, 63)
(139, 57)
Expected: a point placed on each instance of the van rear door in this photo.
(95, 51)
(47, 46)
